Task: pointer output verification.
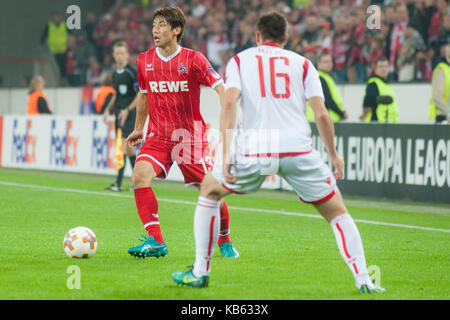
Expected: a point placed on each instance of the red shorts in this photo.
(194, 161)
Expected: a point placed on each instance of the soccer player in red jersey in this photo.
(169, 78)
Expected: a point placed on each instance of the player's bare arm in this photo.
(220, 89)
(124, 113)
(135, 138)
(326, 130)
(108, 109)
(227, 124)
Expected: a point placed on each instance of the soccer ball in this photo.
(80, 242)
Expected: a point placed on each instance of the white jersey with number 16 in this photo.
(274, 84)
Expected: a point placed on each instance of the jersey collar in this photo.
(119, 71)
(169, 57)
(272, 44)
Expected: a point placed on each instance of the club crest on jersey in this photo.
(182, 69)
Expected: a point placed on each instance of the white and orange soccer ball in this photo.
(80, 242)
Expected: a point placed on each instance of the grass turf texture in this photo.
(282, 256)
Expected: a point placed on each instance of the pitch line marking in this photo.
(287, 213)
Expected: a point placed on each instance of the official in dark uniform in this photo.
(123, 104)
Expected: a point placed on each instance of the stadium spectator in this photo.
(55, 37)
(444, 36)
(311, 33)
(396, 40)
(216, 41)
(93, 77)
(232, 26)
(37, 103)
(300, 3)
(377, 50)
(325, 13)
(198, 9)
(422, 16)
(434, 26)
(379, 101)
(192, 31)
(325, 39)
(295, 38)
(72, 76)
(339, 51)
(90, 26)
(424, 65)
(406, 63)
(83, 51)
(104, 95)
(357, 54)
(387, 26)
(225, 56)
(440, 88)
(334, 6)
(130, 21)
(245, 37)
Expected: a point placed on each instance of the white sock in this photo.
(350, 246)
(206, 232)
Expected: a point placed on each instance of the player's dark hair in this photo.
(272, 27)
(175, 18)
(378, 60)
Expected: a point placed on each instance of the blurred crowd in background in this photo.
(411, 35)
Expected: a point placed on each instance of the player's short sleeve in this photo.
(311, 81)
(233, 77)
(142, 84)
(204, 73)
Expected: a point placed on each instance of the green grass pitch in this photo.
(283, 256)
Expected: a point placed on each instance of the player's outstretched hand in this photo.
(338, 163)
(135, 138)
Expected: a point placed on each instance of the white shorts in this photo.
(307, 173)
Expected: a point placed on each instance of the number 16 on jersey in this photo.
(273, 75)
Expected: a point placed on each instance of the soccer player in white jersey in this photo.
(274, 85)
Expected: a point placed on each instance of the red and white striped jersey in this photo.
(172, 85)
(274, 84)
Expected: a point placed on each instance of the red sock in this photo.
(224, 233)
(147, 207)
